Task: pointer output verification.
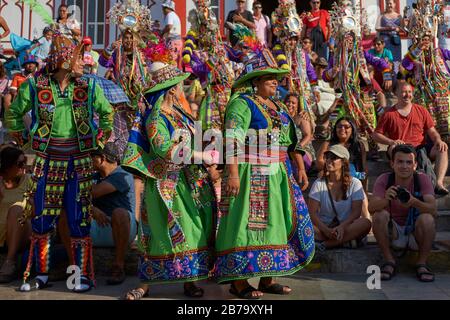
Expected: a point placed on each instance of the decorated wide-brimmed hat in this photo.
(63, 53)
(161, 67)
(257, 64)
(164, 76)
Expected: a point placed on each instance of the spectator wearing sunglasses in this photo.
(317, 26)
(263, 26)
(13, 183)
(379, 50)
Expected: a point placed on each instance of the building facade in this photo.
(92, 15)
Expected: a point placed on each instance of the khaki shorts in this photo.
(401, 240)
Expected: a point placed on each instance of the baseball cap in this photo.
(110, 151)
(340, 151)
(87, 41)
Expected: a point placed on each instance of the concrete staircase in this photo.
(334, 261)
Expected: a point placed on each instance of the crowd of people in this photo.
(197, 147)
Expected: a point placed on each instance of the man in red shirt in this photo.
(408, 123)
(30, 66)
(317, 26)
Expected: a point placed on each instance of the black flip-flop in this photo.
(193, 291)
(441, 191)
(274, 288)
(244, 293)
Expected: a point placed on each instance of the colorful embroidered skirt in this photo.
(62, 180)
(193, 204)
(266, 230)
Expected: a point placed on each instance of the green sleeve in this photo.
(103, 109)
(294, 136)
(161, 141)
(237, 122)
(20, 106)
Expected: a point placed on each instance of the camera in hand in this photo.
(403, 195)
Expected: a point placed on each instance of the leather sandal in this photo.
(244, 293)
(274, 288)
(420, 274)
(135, 294)
(389, 274)
(192, 291)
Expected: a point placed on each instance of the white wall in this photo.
(20, 23)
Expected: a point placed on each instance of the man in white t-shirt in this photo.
(172, 30)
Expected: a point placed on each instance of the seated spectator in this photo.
(303, 127)
(307, 46)
(90, 58)
(382, 52)
(4, 86)
(409, 123)
(345, 133)
(114, 204)
(379, 50)
(30, 66)
(13, 184)
(326, 103)
(335, 203)
(367, 38)
(43, 46)
(404, 209)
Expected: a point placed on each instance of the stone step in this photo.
(331, 261)
(443, 221)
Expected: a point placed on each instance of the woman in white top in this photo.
(335, 203)
(68, 26)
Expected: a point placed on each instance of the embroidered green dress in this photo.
(266, 229)
(176, 231)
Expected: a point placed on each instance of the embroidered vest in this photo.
(44, 110)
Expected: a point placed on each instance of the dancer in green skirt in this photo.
(177, 222)
(265, 229)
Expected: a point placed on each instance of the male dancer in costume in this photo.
(62, 134)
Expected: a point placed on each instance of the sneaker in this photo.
(8, 272)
